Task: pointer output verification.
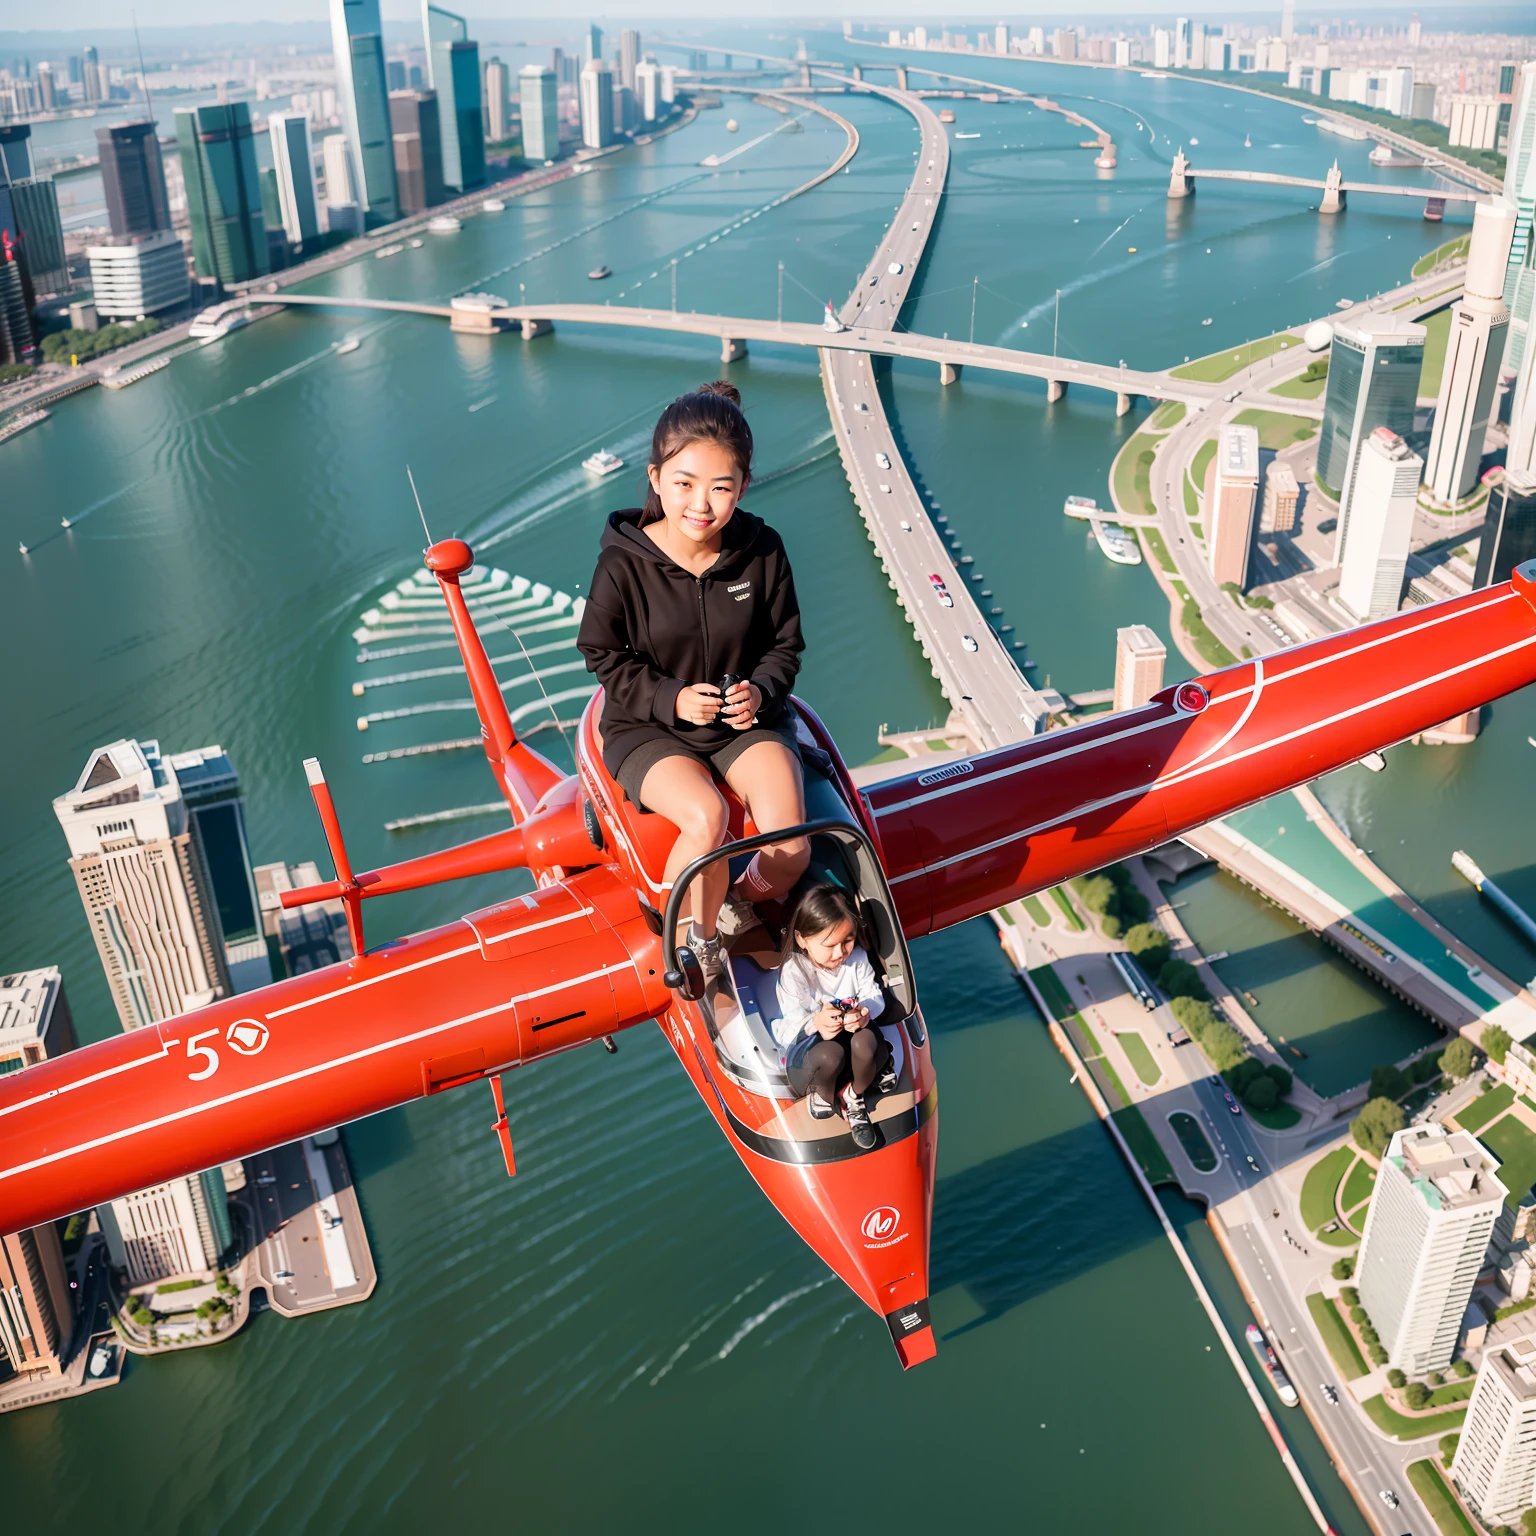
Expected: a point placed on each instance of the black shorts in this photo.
(633, 769)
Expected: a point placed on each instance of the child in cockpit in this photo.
(828, 995)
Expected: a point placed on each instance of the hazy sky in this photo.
(20, 16)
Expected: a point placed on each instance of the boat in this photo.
(388, 250)
(1114, 542)
(946, 116)
(602, 462)
(1266, 1357)
(1206, 321)
(1153, 74)
(1193, 142)
(1342, 129)
(597, 274)
(732, 126)
(1343, 303)
(415, 245)
(121, 378)
(1397, 159)
(351, 344)
(1079, 506)
(444, 224)
(215, 323)
(1247, 141)
(967, 135)
(493, 205)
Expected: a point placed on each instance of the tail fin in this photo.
(522, 775)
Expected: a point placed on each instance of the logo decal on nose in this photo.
(247, 1036)
(881, 1222)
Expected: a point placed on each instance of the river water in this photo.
(628, 1326)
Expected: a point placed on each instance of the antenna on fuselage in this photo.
(419, 510)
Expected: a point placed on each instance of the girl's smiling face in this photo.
(829, 948)
(699, 487)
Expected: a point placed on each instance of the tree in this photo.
(1348, 1294)
(1150, 946)
(1448, 1444)
(1528, 1522)
(1357, 1315)
(1395, 1378)
(1495, 1043)
(1279, 1077)
(1244, 1075)
(1178, 978)
(1388, 1082)
(1343, 1268)
(1097, 893)
(1458, 1058)
(1262, 1093)
(1376, 1124)
(1416, 1395)
(1223, 1045)
(1423, 1068)
(1463, 1368)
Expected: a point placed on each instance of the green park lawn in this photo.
(1132, 473)
(1169, 414)
(1481, 1110)
(1317, 1189)
(1140, 1057)
(1438, 327)
(1154, 542)
(1281, 1118)
(1276, 430)
(1068, 911)
(1515, 1148)
(1222, 365)
(1036, 909)
(1053, 992)
(1196, 1147)
(1450, 251)
(1342, 1348)
(1392, 1422)
(1144, 1146)
(1430, 1485)
(1300, 388)
(1358, 1186)
(1451, 1392)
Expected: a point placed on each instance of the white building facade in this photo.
(1495, 1463)
(139, 276)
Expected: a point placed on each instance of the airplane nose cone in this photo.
(449, 557)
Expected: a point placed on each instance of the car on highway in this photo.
(1330, 1393)
(883, 460)
(969, 643)
(940, 591)
(906, 527)
(860, 405)
(1232, 1103)
(1389, 1498)
(283, 1274)
(1254, 1163)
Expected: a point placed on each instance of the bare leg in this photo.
(768, 779)
(680, 788)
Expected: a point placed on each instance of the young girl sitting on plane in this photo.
(828, 994)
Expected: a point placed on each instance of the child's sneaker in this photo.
(818, 1106)
(859, 1124)
(889, 1077)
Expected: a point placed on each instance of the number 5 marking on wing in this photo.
(194, 1049)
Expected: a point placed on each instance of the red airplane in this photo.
(594, 949)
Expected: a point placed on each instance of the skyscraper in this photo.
(1386, 489)
(592, 43)
(1231, 495)
(453, 71)
(145, 884)
(1287, 19)
(596, 104)
(1473, 353)
(18, 338)
(539, 102)
(90, 73)
(29, 211)
(133, 177)
(414, 118)
(139, 275)
(648, 90)
(1495, 1462)
(218, 167)
(357, 41)
(1139, 658)
(1509, 529)
(498, 96)
(35, 1308)
(1373, 381)
(1437, 1196)
(629, 56)
(342, 207)
(177, 1228)
(15, 151)
(293, 159)
(1182, 49)
(1520, 191)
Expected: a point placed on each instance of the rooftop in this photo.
(1515, 1365)
(1450, 1170)
(26, 1003)
(1237, 456)
(1365, 329)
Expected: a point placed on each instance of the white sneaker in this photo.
(737, 916)
(710, 955)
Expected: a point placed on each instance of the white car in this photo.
(1331, 1393)
(1389, 1498)
(969, 643)
(895, 269)
(883, 460)
(884, 487)
(940, 591)
(906, 527)
(859, 405)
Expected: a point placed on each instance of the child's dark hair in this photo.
(820, 908)
(711, 414)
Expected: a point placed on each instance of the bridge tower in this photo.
(1334, 198)
(1180, 182)
(901, 77)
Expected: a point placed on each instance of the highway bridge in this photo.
(1335, 190)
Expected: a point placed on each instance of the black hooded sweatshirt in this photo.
(651, 629)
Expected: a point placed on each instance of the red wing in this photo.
(968, 836)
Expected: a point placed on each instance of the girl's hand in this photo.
(828, 1022)
(856, 1018)
(741, 706)
(698, 704)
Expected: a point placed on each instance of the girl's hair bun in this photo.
(722, 387)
